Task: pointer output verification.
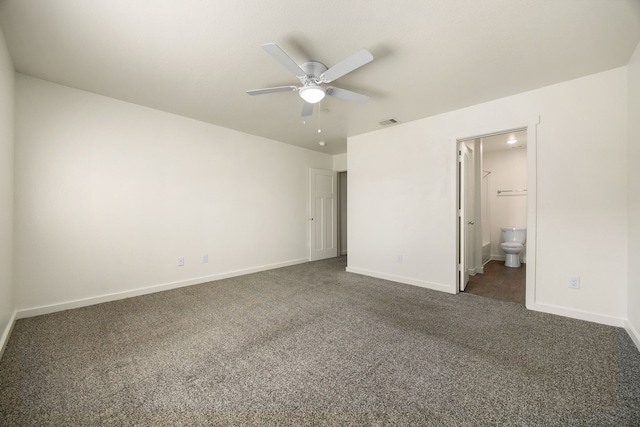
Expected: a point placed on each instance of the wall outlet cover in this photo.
(574, 282)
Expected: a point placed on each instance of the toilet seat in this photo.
(511, 245)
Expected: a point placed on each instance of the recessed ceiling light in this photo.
(319, 130)
(322, 143)
(512, 141)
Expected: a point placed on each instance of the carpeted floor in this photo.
(314, 345)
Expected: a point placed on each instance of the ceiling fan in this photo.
(313, 74)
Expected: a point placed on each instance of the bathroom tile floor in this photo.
(499, 282)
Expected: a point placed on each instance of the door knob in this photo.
(471, 223)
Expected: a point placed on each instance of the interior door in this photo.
(323, 214)
(465, 223)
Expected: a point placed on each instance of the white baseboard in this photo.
(578, 314)
(477, 270)
(545, 308)
(401, 279)
(633, 333)
(4, 339)
(46, 309)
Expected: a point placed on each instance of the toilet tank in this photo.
(514, 234)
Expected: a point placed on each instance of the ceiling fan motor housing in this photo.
(313, 70)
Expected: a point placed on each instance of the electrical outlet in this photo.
(574, 282)
(180, 261)
(205, 258)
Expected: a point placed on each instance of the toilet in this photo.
(513, 240)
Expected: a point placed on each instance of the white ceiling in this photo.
(196, 58)
(499, 142)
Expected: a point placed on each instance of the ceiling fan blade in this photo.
(350, 63)
(348, 95)
(272, 90)
(280, 56)
(307, 109)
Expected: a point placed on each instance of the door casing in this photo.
(532, 134)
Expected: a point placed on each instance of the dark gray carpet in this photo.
(314, 345)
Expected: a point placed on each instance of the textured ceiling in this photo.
(197, 58)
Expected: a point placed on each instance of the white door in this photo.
(323, 214)
(465, 223)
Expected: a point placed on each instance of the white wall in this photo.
(633, 159)
(508, 172)
(7, 304)
(110, 194)
(340, 162)
(402, 190)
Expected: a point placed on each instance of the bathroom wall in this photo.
(485, 218)
(508, 172)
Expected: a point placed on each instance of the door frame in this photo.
(339, 223)
(532, 143)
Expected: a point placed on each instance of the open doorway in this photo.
(492, 215)
(327, 214)
(342, 213)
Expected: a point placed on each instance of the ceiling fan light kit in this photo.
(312, 93)
(313, 74)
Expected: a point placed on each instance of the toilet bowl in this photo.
(513, 239)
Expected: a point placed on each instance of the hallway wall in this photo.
(633, 180)
(7, 285)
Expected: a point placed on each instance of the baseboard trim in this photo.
(4, 339)
(578, 314)
(401, 279)
(84, 302)
(477, 270)
(633, 333)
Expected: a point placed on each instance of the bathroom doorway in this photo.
(493, 176)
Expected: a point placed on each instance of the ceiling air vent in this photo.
(388, 122)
